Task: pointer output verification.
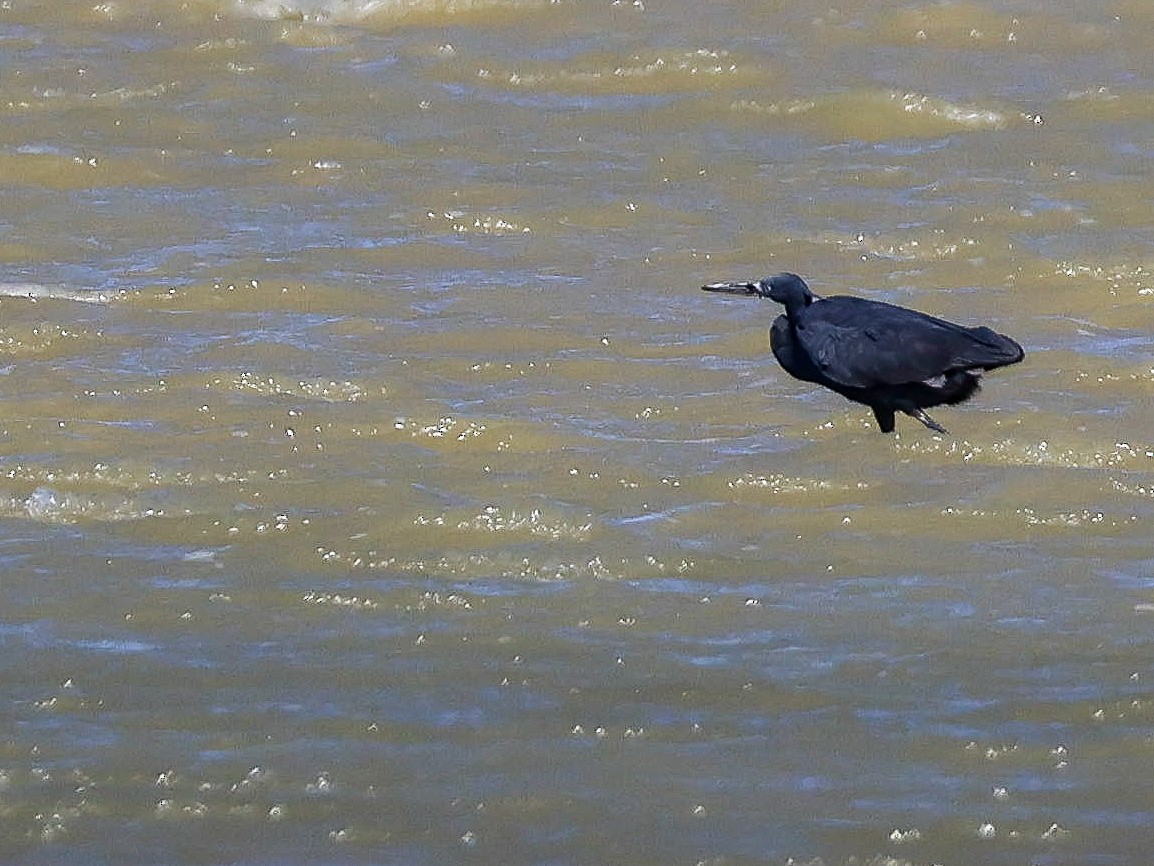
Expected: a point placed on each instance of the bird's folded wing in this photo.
(901, 349)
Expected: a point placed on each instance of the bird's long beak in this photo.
(735, 288)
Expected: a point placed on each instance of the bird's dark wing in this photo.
(858, 343)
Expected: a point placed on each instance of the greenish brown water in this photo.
(376, 486)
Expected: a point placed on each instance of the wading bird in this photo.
(889, 358)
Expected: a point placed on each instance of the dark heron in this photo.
(890, 358)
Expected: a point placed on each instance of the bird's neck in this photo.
(794, 312)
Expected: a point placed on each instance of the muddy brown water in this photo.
(377, 486)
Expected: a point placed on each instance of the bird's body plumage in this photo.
(889, 358)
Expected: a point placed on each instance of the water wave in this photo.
(353, 11)
(878, 115)
(37, 292)
(653, 73)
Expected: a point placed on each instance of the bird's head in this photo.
(788, 289)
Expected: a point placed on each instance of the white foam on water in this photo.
(38, 291)
(351, 11)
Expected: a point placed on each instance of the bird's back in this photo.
(858, 343)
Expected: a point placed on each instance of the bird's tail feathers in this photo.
(992, 350)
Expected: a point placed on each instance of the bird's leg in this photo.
(927, 420)
(885, 416)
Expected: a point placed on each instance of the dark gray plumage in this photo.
(889, 358)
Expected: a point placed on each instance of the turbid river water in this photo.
(377, 486)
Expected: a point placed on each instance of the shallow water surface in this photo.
(376, 485)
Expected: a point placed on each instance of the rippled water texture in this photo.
(376, 485)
